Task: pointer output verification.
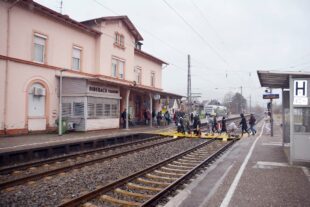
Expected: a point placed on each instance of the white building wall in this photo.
(60, 39)
(2, 101)
(147, 67)
(96, 124)
(109, 50)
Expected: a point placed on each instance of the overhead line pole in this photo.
(189, 92)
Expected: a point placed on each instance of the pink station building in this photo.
(100, 61)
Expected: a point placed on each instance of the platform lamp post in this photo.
(60, 104)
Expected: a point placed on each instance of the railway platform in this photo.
(253, 172)
(23, 142)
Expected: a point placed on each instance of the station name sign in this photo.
(99, 89)
(270, 96)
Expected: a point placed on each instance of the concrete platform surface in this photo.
(254, 172)
(14, 143)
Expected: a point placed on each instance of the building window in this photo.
(138, 72)
(66, 109)
(153, 79)
(91, 109)
(39, 48)
(99, 110)
(76, 58)
(107, 110)
(118, 67)
(114, 110)
(78, 109)
(119, 40)
(121, 70)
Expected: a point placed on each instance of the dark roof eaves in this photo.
(59, 17)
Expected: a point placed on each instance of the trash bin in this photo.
(64, 125)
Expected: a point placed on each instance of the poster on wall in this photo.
(300, 92)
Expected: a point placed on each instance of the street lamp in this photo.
(60, 104)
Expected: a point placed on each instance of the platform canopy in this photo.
(279, 79)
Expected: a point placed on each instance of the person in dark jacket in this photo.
(223, 125)
(243, 124)
(197, 125)
(159, 117)
(252, 122)
(214, 124)
(123, 116)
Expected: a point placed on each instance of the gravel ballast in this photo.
(51, 192)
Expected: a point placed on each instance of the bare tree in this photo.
(238, 104)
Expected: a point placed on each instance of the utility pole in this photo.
(60, 7)
(241, 99)
(250, 103)
(189, 87)
(271, 116)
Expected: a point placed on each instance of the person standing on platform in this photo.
(159, 117)
(243, 124)
(267, 123)
(145, 117)
(123, 116)
(167, 117)
(192, 117)
(223, 125)
(197, 125)
(252, 122)
(214, 124)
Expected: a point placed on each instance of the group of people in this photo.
(220, 127)
(244, 126)
(193, 123)
(185, 125)
(162, 116)
(156, 118)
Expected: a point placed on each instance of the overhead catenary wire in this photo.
(179, 51)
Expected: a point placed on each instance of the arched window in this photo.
(36, 100)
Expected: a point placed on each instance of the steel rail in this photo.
(154, 200)
(93, 194)
(75, 166)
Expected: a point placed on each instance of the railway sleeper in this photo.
(168, 173)
(112, 200)
(141, 187)
(184, 160)
(185, 164)
(174, 170)
(145, 181)
(159, 177)
(179, 166)
(132, 194)
(195, 159)
(88, 205)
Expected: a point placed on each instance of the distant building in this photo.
(102, 62)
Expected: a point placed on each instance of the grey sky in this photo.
(227, 40)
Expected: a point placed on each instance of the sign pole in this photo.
(271, 116)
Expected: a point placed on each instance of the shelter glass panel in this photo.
(302, 120)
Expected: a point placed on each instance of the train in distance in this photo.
(210, 110)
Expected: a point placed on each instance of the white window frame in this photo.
(79, 59)
(117, 72)
(153, 75)
(42, 37)
(138, 72)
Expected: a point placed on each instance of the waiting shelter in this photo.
(295, 110)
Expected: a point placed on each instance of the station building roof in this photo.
(279, 79)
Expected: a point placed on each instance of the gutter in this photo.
(6, 76)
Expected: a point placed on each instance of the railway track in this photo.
(148, 186)
(22, 174)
